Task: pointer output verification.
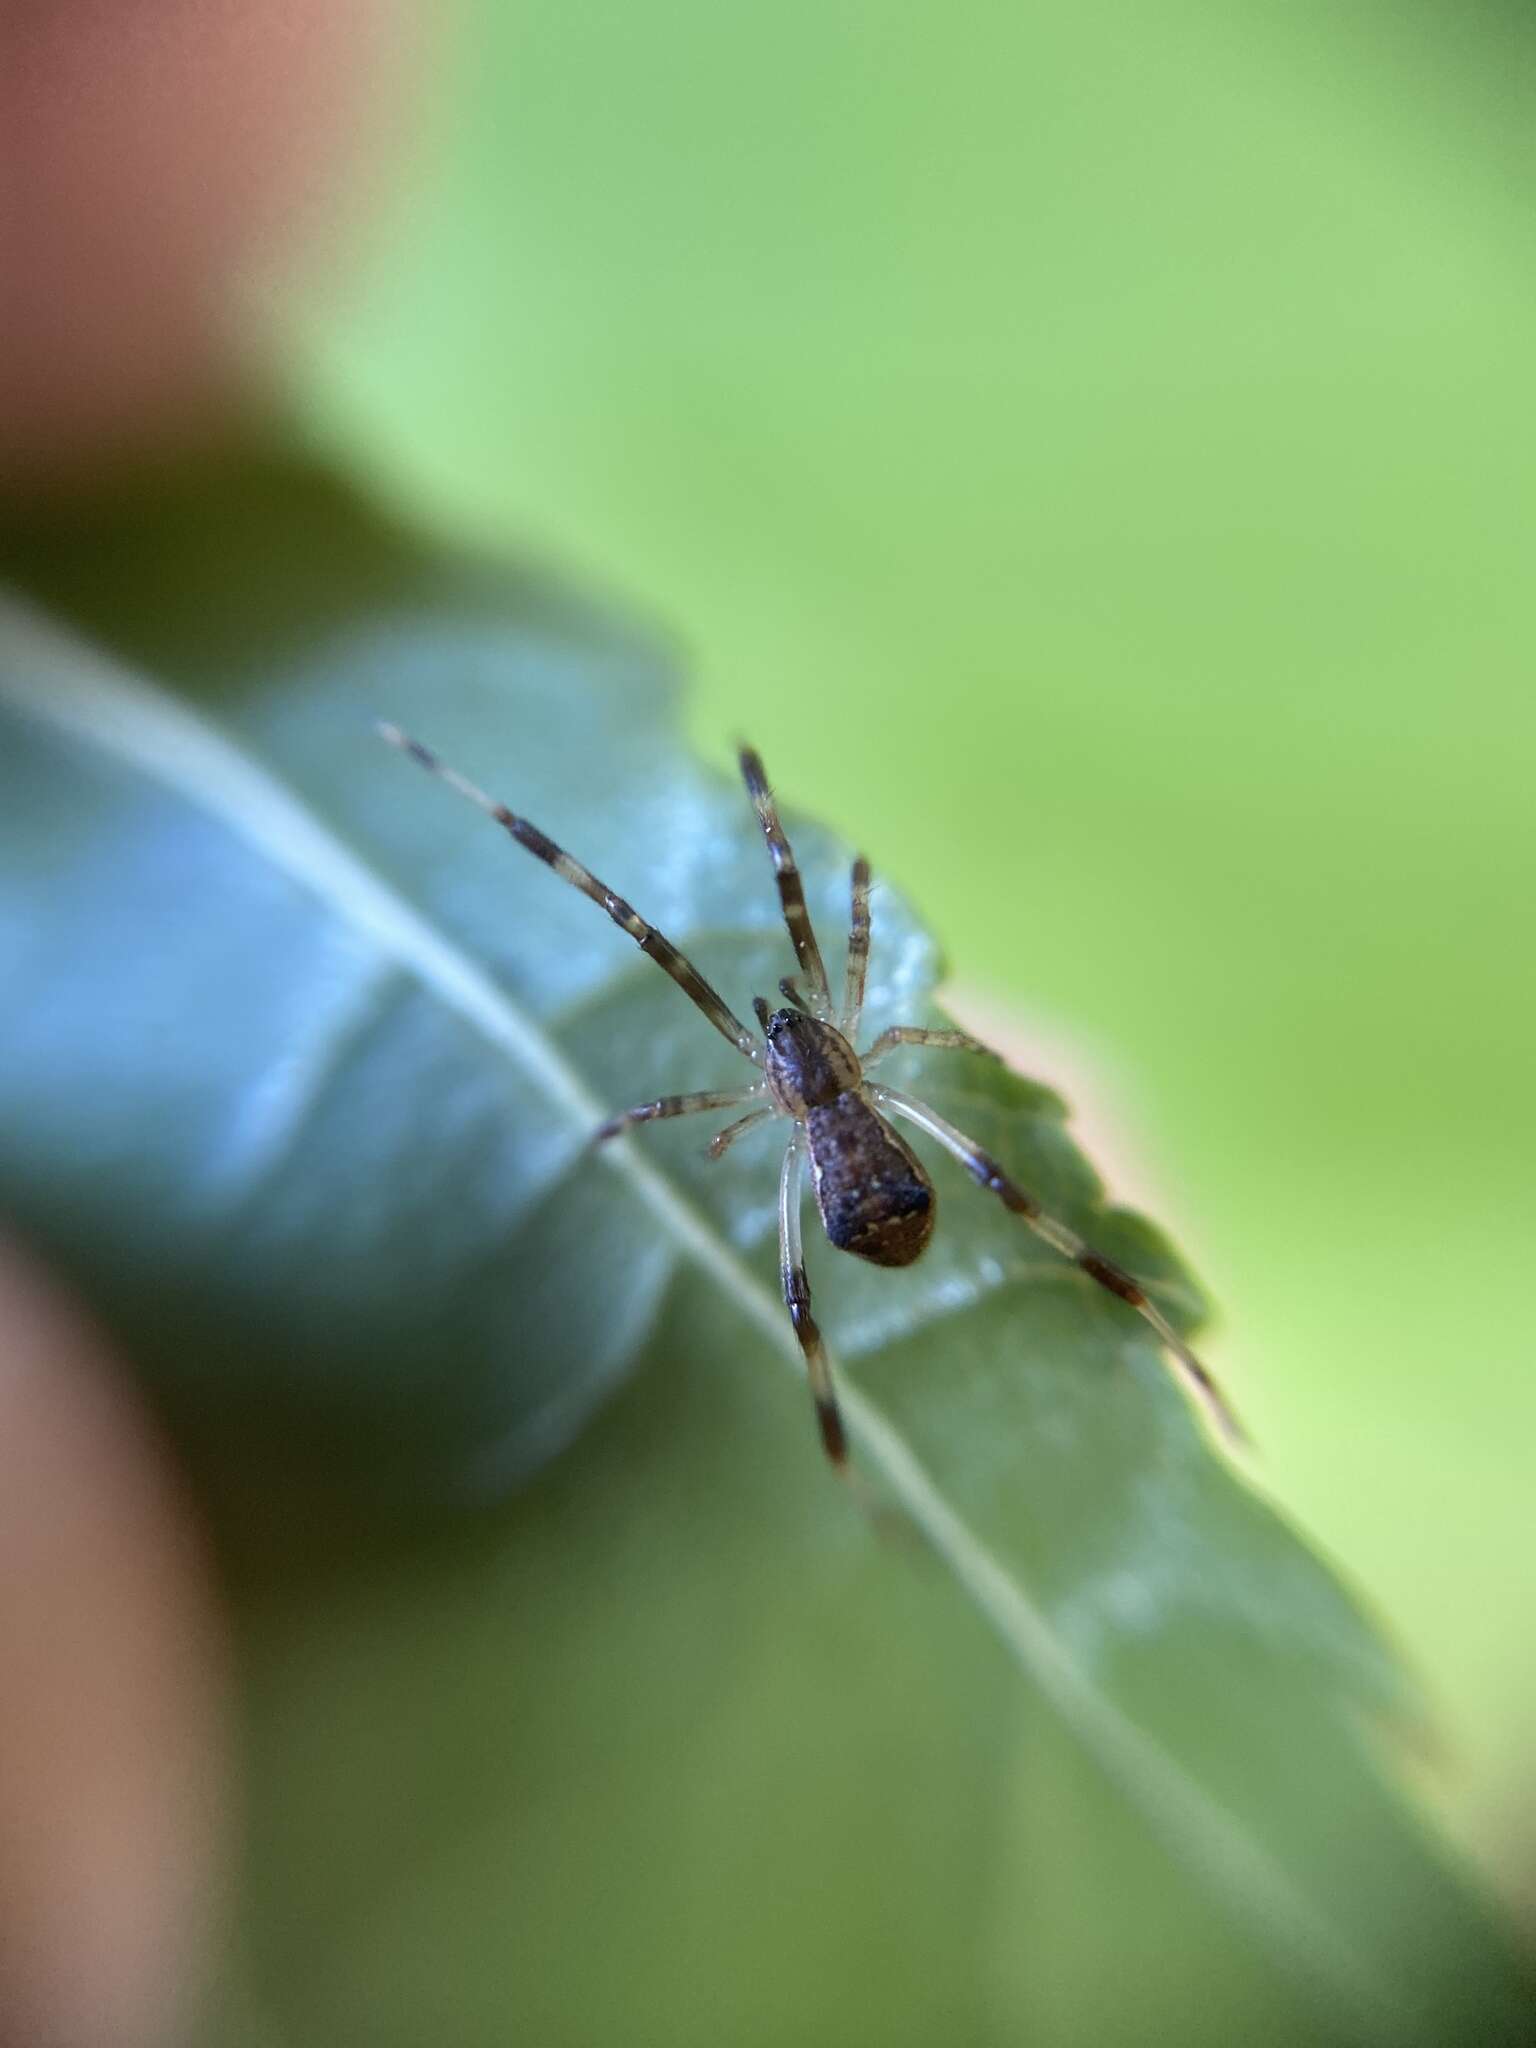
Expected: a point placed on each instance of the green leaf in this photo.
(661, 1740)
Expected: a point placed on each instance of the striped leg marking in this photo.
(650, 941)
(988, 1174)
(939, 1041)
(673, 1105)
(791, 890)
(797, 1299)
(857, 969)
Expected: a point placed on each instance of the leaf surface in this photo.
(299, 1075)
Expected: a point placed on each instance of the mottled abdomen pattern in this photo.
(875, 1199)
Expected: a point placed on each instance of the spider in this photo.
(875, 1198)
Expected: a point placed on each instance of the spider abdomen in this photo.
(875, 1199)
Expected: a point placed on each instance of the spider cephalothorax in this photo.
(806, 1063)
(874, 1196)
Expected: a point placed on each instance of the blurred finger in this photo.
(114, 1749)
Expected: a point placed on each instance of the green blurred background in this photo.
(1088, 447)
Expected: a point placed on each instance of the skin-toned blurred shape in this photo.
(156, 160)
(114, 1748)
(150, 156)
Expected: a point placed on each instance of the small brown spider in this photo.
(875, 1198)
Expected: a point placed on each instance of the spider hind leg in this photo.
(797, 1299)
(987, 1173)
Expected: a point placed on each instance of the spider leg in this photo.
(673, 1105)
(650, 941)
(791, 890)
(789, 989)
(988, 1174)
(797, 1299)
(722, 1141)
(940, 1041)
(857, 968)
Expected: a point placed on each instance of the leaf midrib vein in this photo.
(60, 678)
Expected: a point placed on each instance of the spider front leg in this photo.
(856, 971)
(797, 917)
(797, 1299)
(654, 944)
(985, 1170)
(938, 1041)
